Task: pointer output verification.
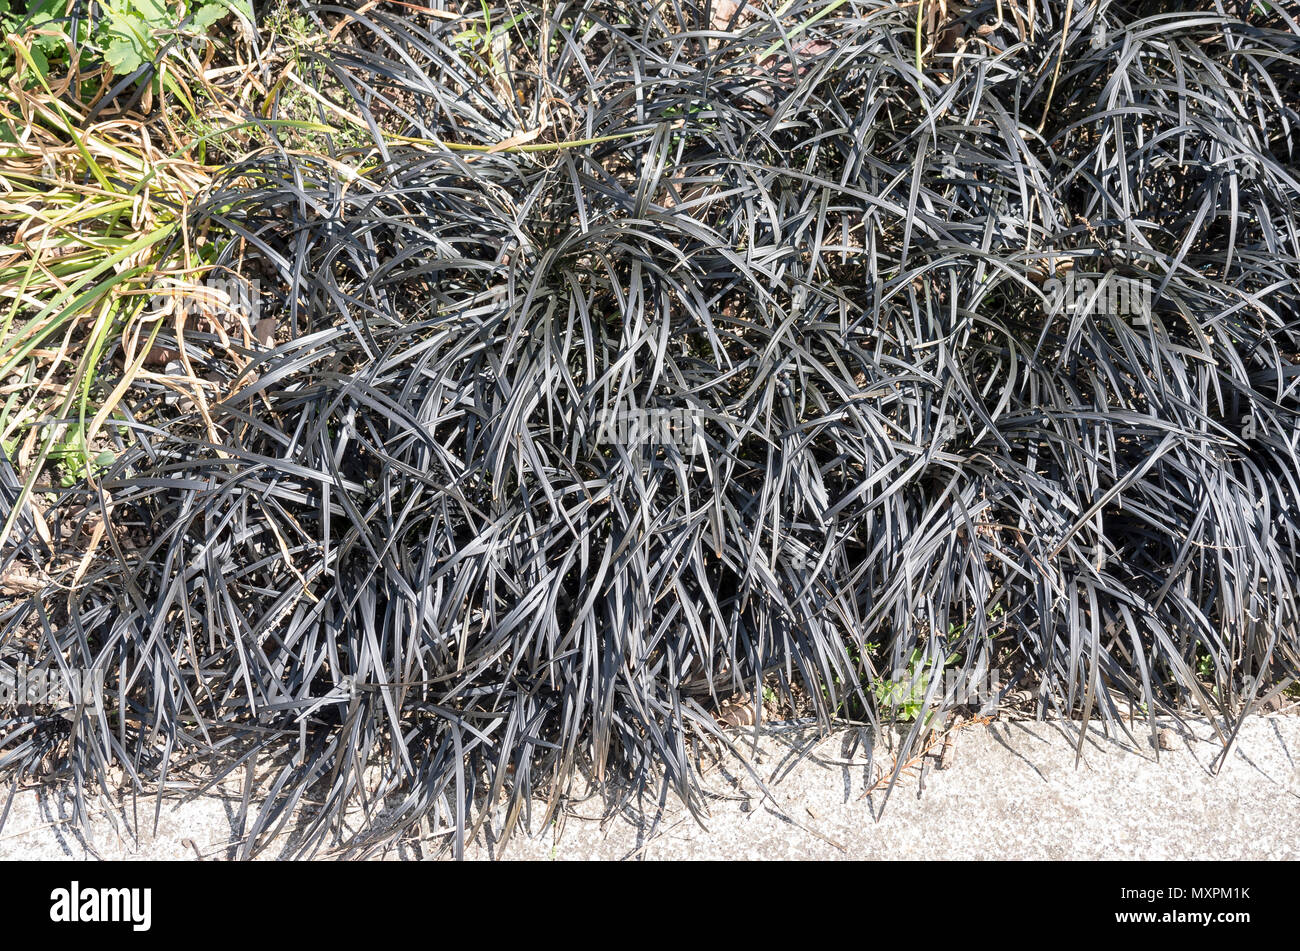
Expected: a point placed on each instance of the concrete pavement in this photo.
(1012, 791)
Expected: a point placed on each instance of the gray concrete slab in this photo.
(1012, 791)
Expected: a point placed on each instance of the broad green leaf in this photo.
(123, 56)
(206, 15)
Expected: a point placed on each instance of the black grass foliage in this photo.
(748, 351)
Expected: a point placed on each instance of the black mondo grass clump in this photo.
(632, 359)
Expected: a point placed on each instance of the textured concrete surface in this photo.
(1012, 790)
